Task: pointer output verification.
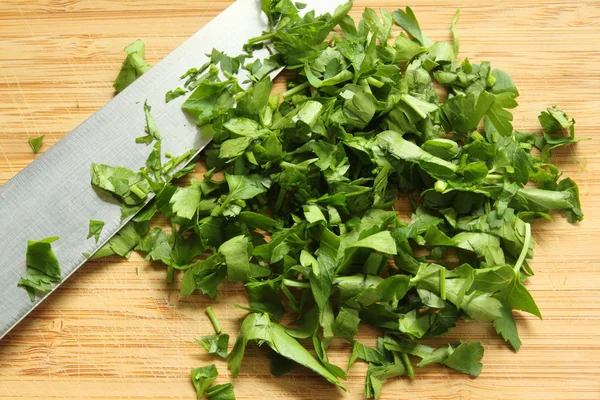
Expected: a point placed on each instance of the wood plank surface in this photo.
(112, 333)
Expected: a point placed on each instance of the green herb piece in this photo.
(202, 378)
(133, 66)
(132, 188)
(41, 257)
(263, 297)
(259, 327)
(346, 324)
(408, 21)
(215, 344)
(376, 375)
(36, 143)
(95, 229)
(213, 319)
(205, 275)
(236, 254)
(208, 100)
(125, 241)
(37, 281)
(185, 201)
(463, 358)
(507, 328)
(173, 94)
(240, 188)
(220, 392)
(151, 129)
(42, 267)
(380, 28)
(399, 148)
(368, 354)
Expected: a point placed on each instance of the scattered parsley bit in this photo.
(215, 344)
(173, 94)
(213, 319)
(151, 129)
(132, 188)
(258, 327)
(220, 392)
(43, 270)
(125, 241)
(133, 66)
(95, 229)
(36, 143)
(203, 379)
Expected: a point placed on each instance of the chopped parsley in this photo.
(43, 270)
(36, 143)
(95, 229)
(303, 212)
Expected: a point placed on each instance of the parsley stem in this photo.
(280, 198)
(296, 284)
(261, 38)
(170, 272)
(408, 365)
(213, 318)
(173, 162)
(375, 82)
(443, 283)
(365, 85)
(525, 248)
(221, 207)
(477, 136)
(139, 191)
(295, 90)
(494, 177)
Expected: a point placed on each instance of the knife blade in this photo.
(53, 196)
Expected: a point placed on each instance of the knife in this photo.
(53, 196)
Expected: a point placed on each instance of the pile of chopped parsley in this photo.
(304, 216)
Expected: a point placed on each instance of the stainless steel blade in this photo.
(53, 196)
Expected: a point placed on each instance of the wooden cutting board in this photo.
(117, 330)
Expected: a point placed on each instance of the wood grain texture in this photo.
(110, 333)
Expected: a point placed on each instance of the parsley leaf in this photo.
(36, 143)
(173, 94)
(215, 344)
(95, 229)
(132, 188)
(125, 241)
(240, 188)
(506, 326)
(236, 254)
(259, 327)
(133, 66)
(41, 257)
(465, 358)
(208, 100)
(406, 20)
(202, 378)
(151, 129)
(185, 201)
(42, 267)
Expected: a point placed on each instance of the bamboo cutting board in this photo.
(117, 330)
